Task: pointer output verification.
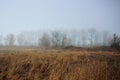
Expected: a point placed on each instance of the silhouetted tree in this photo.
(1, 39)
(10, 40)
(115, 42)
(45, 40)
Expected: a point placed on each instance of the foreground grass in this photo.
(59, 65)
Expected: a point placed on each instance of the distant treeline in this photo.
(58, 38)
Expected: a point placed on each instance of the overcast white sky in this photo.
(24, 15)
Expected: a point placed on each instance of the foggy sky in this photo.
(25, 15)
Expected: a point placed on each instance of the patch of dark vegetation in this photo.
(73, 48)
(102, 48)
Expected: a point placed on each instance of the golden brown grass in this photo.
(59, 65)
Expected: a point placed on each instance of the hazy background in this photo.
(26, 15)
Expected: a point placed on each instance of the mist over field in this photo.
(74, 19)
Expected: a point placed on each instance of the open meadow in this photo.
(53, 64)
(59, 39)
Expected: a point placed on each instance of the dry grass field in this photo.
(31, 64)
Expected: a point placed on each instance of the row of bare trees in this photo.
(90, 37)
(9, 40)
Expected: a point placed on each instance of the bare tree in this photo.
(10, 40)
(92, 34)
(44, 41)
(115, 43)
(1, 38)
(65, 41)
(97, 37)
(72, 37)
(20, 39)
(105, 38)
(27, 38)
(83, 38)
(56, 37)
